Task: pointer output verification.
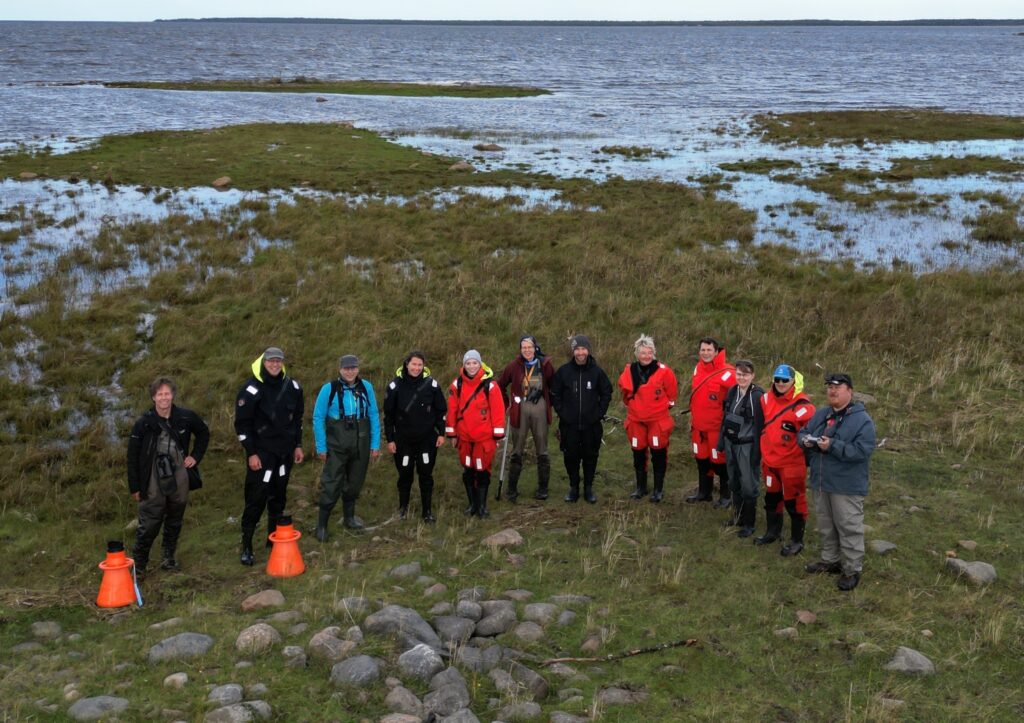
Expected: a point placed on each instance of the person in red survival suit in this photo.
(786, 410)
(476, 418)
(712, 380)
(649, 391)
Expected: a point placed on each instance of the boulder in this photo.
(410, 569)
(518, 595)
(396, 620)
(621, 696)
(562, 717)
(806, 617)
(28, 175)
(490, 607)
(222, 182)
(263, 599)
(529, 632)
(224, 695)
(176, 680)
(400, 718)
(978, 573)
(352, 607)
(295, 656)
(503, 682)
(180, 647)
(463, 715)
(475, 594)
(447, 700)
(487, 147)
(527, 710)
(402, 700)
(503, 538)
(326, 646)
(469, 609)
(461, 166)
(500, 622)
(448, 676)
(881, 547)
(46, 629)
(540, 613)
(235, 713)
(360, 671)
(571, 599)
(453, 629)
(438, 588)
(790, 633)
(257, 638)
(566, 618)
(101, 706)
(422, 662)
(908, 660)
(534, 682)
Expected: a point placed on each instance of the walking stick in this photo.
(504, 453)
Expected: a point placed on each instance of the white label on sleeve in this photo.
(251, 389)
(725, 377)
(499, 430)
(295, 384)
(801, 412)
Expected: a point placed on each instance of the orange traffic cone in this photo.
(118, 587)
(285, 559)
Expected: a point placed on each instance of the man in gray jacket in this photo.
(838, 442)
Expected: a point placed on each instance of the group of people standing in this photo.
(740, 434)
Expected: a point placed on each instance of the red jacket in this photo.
(653, 399)
(711, 382)
(779, 446)
(475, 416)
(514, 374)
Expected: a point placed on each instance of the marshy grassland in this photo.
(939, 355)
(303, 84)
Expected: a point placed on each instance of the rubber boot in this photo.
(724, 493)
(640, 469)
(574, 485)
(247, 557)
(515, 468)
(796, 542)
(588, 494)
(483, 482)
(271, 527)
(426, 499)
(737, 512)
(404, 492)
(773, 531)
(705, 483)
(350, 520)
(589, 468)
(172, 530)
(659, 462)
(543, 477)
(748, 517)
(323, 517)
(467, 482)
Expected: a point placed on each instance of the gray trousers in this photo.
(841, 524)
(532, 418)
(744, 479)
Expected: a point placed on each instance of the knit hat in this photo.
(348, 361)
(273, 352)
(580, 340)
(471, 354)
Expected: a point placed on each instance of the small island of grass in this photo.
(303, 84)
(884, 126)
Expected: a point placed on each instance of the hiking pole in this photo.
(504, 454)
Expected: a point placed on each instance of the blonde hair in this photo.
(647, 341)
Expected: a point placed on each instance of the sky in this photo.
(133, 10)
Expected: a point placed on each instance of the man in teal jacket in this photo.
(346, 426)
(838, 442)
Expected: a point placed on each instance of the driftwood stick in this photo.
(688, 643)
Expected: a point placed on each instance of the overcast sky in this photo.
(513, 9)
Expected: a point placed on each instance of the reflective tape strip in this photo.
(281, 472)
(242, 437)
(267, 475)
(449, 430)
(251, 389)
(714, 454)
(405, 461)
(469, 462)
(801, 412)
(426, 458)
(499, 430)
(634, 442)
(696, 448)
(392, 385)
(725, 377)
(479, 463)
(654, 441)
(517, 399)
(295, 384)
(768, 480)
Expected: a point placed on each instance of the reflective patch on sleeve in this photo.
(449, 430)
(295, 384)
(499, 430)
(696, 448)
(654, 441)
(267, 475)
(281, 472)
(251, 389)
(405, 461)
(801, 412)
(242, 437)
(392, 385)
(433, 383)
(426, 458)
(725, 377)
(517, 400)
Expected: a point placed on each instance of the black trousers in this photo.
(415, 456)
(266, 488)
(581, 446)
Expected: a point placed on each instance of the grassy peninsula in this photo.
(937, 354)
(344, 87)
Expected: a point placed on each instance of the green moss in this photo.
(634, 153)
(345, 87)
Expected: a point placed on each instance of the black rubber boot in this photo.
(323, 517)
(543, 477)
(588, 494)
(426, 499)
(724, 493)
(640, 469)
(348, 504)
(467, 482)
(705, 483)
(404, 492)
(748, 517)
(659, 462)
(574, 492)
(515, 468)
(247, 557)
(796, 543)
(773, 531)
(483, 482)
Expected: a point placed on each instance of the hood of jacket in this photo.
(714, 365)
(485, 373)
(400, 372)
(257, 369)
(795, 391)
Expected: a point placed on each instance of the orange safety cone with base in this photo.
(118, 587)
(285, 559)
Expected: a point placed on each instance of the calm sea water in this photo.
(648, 81)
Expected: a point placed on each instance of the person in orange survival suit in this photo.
(712, 380)
(649, 391)
(476, 419)
(786, 411)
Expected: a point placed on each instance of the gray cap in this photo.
(471, 354)
(348, 361)
(273, 352)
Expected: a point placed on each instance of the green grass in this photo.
(763, 166)
(346, 87)
(937, 352)
(634, 153)
(816, 128)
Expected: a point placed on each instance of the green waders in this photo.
(348, 457)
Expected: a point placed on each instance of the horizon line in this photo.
(570, 22)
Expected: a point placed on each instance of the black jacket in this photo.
(581, 394)
(752, 412)
(414, 407)
(142, 445)
(268, 415)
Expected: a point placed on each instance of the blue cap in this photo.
(783, 371)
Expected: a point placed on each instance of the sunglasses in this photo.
(780, 380)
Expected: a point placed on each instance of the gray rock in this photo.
(352, 607)
(527, 710)
(400, 718)
(263, 599)
(567, 693)
(261, 709)
(425, 580)
(27, 647)
(562, 670)
(176, 680)
(562, 717)
(403, 700)
(881, 547)
(464, 715)
(790, 633)
(476, 594)
(518, 595)
(224, 695)
(496, 624)
(327, 647)
(180, 647)
(570, 599)
(469, 609)
(532, 680)
(285, 616)
(621, 696)
(452, 629)
(566, 618)
(410, 569)
(503, 682)
(102, 706)
(978, 573)
(236, 713)
(256, 690)
(490, 607)
(447, 700)
(448, 676)
(969, 545)
(422, 662)
(298, 628)
(355, 634)
(503, 538)
(435, 590)
(47, 629)
(257, 638)
(295, 656)
(529, 632)
(540, 613)
(443, 608)
(169, 623)
(395, 619)
(361, 671)
(908, 660)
